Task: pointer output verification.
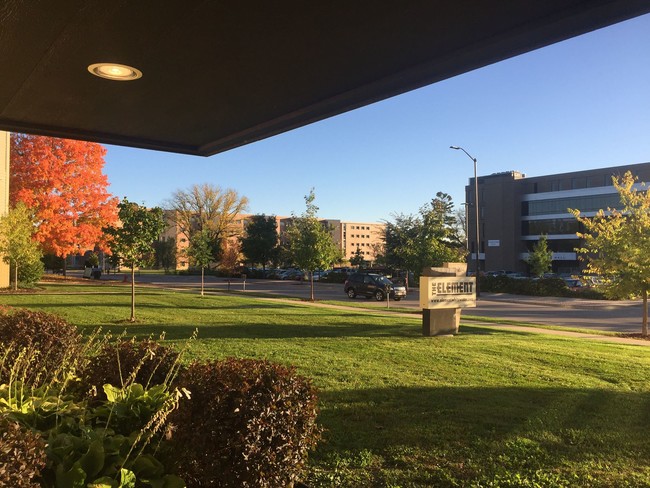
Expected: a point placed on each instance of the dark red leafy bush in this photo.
(248, 424)
(50, 335)
(22, 456)
(116, 362)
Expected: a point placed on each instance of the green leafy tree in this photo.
(310, 243)
(541, 258)
(260, 244)
(133, 241)
(17, 247)
(53, 262)
(357, 259)
(165, 253)
(616, 243)
(200, 253)
(414, 242)
(92, 260)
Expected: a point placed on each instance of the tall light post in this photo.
(476, 208)
(466, 226)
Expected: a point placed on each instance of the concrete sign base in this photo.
(440, 321)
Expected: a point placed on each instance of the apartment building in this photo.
(514, 211)
(365, 237)
(349, 236)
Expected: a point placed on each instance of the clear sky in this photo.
(580, 104)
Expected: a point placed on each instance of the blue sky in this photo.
(583, 103)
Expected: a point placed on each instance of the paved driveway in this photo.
(603, 315)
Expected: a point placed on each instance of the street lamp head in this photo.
(454, 147)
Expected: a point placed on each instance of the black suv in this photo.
(373, 285)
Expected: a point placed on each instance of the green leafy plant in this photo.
(249, 424)
(114, 444)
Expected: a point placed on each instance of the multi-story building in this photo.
(349, 236)
(362, 236)
(514, 211)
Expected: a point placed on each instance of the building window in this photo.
(551, 226)
(590, 203)
(577, 183)
(596, 181)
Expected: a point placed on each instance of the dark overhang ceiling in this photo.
(219, 74)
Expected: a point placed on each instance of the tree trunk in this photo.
(65, 267)
(311, 279)
(644, 331)
(16, 276)
(132, 319)
(202, 274)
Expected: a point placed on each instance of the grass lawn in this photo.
(487, 408)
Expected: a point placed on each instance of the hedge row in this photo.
(549, 287)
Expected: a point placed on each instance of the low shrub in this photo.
(589, 293)
(29, 274)
(550, 287)
(55, 341)
(22, 455)
(123, 362)
(249, 423)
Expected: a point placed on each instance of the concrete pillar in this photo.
(4, 197)
(440, 321)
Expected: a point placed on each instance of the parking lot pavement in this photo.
(612, 316)
(564, 302)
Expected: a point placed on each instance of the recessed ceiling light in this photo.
(117, 72)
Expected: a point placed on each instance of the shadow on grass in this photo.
(156, 306)
(514, 425)
(333, 328)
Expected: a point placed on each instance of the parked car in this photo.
(516, 275)
(574, 284)
(495, 273)
(292, 274)
(372, 285)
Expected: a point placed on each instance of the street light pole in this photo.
(476, 208)
(466, 226)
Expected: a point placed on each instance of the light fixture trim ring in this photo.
(115, 71)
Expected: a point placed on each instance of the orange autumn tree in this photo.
(62, 182)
